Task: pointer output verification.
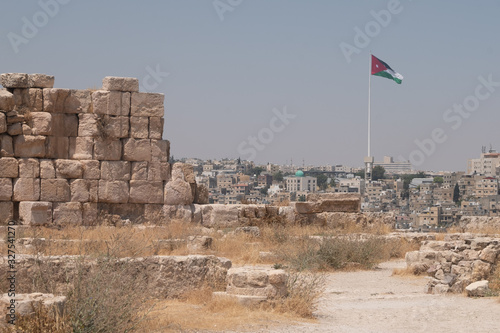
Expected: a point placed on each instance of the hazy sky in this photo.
(230, 63)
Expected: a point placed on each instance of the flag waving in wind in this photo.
(381, 68)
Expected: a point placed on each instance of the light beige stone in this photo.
(69, 169)
(107, 149)
(6, 212)
(137, 149)
(199, 243)
(28, 100)
(112, 103)
(57, 147)
(29, 146)
(202, 194)
(57, 100)
(87, 125)
(81, 148)
(90, 213)
(147, 105)
(220, 216)
(478, 289)
(15, 129)
(6, 146)
(113, 191)
(155, 128)
(5, 189)
(178, 192)
(41, 123)
(26, 129)
(84, 190)
(113, 126)
(64, 124)
(139, 127)
(9, 167)
(183, 171)
(143, 191)
(257, 281)
(6, 100)
(160, 149)
(114, 83)
(115, 170)
(26, 189)
(139, 171)
(55, 190)
(14, 80)
(91, 169)
(159, 171)
(3, 122)
(35, 212)
(41, 80)
(47, 169)
(68, 213)
(29, 168)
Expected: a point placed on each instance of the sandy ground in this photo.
(375, 301)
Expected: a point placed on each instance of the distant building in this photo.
(485, 165)
(394, 167)
(299, 183)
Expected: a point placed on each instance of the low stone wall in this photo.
(456, 262)
(475, 223)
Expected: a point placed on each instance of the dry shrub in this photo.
(494, 279)
(43, 320)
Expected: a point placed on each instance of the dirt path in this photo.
(375, 301)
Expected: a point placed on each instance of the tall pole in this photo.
(369, 102)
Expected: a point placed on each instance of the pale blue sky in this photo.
(226, 77)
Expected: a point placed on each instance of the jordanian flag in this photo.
(381, 68)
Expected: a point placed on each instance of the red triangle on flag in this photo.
(377, 65)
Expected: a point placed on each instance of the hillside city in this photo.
(419, 200)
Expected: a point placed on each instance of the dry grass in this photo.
(490, 230)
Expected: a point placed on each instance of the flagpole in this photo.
(369, 102)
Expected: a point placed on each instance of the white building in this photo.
(394, 167)
(299, 182)
(485, 165)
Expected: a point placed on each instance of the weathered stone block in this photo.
(91, 169)
(178, 192)
(68, 213)
(159, 171)
(5, 189)
(90, 213)
(28, 100)
(14, 117)
(88, 125)
(183, 171)
(35, 212)
(113, 83)
(84, 190)
(113, 126)
(137, 149)
(41, 123)
(15, 129)
(26, 129)
(55, 190)
(147, 105)
(66, 100)
(29, 168)
(113, 191)
(57, 147)
(6, 146)
(115, 170)
(220, 216)
(69, 169)
(6, 212)
(139, 171)
(112, 103)
(160, 149)
(6, 100)
(81, 148)
(41, 80)
(155, 128)
(202, 194)
(3, 122)
(139, 127)
(257, 281)
(47, 169)
(199, 243)
(29, 146)
(64, 125)
(26, 189)
(143, 191)
(9, 167)
(14, 80)
(107, 149)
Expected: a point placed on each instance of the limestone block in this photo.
(257, 281)
(183, 171)
(478, 289)
(14, 80)
(9, 167)
(35, 212)
(84, 190)
(6, 146)
(25, 303)
(87, 125)
(69, 169)
(6, 212)
(160, 149)
(143, 191)
(490, 254)
(107, 149)
(29, 168)
(155, 128)
(91, 169)
(26, 189)
(5, 189)
(28, 100)
(112, 103)
(41, 123)
(178, 192)
(115, 170)
(113, 126)
(57, 100)
(3, 123)
(68, 213)
(90, 213)
(147, 104)
(202, 194)
(41, 80)
(57, 147)
(15, 129)
(199, 243)
(29, 146)
(137, 149)
(113, 191)
(47, 169)
(113, 83)
(159, 171)
(139, 127)
(81, 148)
(481, 270)
(139, 171)
(6, 100)
(220, 216)
(64, 125)
(55, 190)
